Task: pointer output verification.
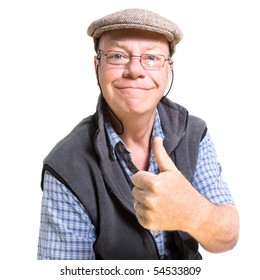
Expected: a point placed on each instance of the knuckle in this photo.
(154, 186)
(150, 203)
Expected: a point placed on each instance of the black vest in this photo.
(83, 162)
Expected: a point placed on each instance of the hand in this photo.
(164, 201)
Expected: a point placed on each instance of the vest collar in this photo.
(174, 119)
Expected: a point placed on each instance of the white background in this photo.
(47, 85)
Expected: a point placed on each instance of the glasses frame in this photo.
(100, 52)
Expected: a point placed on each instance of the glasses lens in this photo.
(152, 60)
(117, 58)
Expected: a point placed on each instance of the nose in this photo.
(134, 68)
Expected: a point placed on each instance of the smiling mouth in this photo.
(133, 88)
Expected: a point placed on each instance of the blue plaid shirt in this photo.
(66, 231)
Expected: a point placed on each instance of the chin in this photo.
(139, 110)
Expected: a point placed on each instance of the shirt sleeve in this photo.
(66, 231)
(208, 175)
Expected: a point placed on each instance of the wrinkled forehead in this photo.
(124, 38)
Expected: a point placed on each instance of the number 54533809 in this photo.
(177, 270)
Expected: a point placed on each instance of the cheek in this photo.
(106, 76)
(163, 81)
(106, 83)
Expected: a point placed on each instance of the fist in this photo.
(163, 201)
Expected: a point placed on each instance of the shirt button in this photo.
(155, 233)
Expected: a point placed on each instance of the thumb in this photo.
(163, 160)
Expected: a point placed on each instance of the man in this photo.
(139, 179)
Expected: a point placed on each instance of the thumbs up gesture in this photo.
(165, 201)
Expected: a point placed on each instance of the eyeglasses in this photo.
(148, 61)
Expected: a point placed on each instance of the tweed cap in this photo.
(136, 19)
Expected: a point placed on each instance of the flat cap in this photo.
(136, 19)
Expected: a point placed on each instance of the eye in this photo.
(151, 58)
(117, 56)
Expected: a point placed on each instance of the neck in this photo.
(137, 129)
(136, 136)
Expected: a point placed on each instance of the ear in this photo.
(96, 63)
(171, 62)
(170, 69)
